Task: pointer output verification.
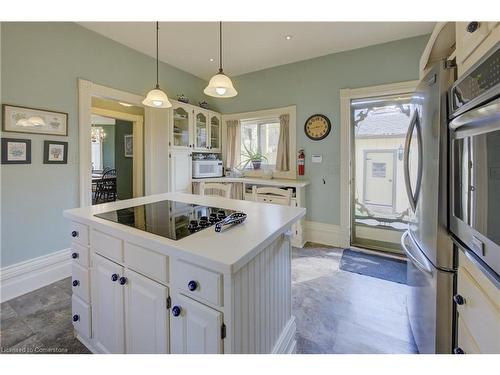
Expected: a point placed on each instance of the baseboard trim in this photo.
(326, 234)
(24, 277)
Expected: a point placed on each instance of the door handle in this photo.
(413, 196)
(413, 259)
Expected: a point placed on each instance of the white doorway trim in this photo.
(346, 95)
(87, 90)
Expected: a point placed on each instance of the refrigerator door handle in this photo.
(413, 196)
(423, 267)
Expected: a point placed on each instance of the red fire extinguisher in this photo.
(301, 161)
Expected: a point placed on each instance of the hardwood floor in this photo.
(336, 312)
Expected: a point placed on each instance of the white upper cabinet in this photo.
(201, 130)
(473, 40)
(181, 134)
(195, 328)
(215, 131)
(146, 315)
(107, 306)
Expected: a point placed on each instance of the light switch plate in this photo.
(317, 158)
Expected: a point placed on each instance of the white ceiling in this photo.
(251, 46)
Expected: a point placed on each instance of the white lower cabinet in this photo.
(146, 315)
(180, 171)
(196, 328)
(107, 306)
(130, 313)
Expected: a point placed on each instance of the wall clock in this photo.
(317, 127)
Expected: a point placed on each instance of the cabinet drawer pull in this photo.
(74, 255)
(459, 300)
(76, 318)
(123, 280)
(76, 282)
(74, 234)
(114, 277)
(458, 350)
(176, 310)
(192, 285)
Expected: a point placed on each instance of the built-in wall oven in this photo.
(475, 159)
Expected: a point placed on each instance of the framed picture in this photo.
(33, 120)
(55, 152)
(129, 145)
(16, 151)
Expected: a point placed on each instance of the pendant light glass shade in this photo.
(220, 85)
(157, 98)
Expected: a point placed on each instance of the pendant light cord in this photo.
(220, 47)
(157, 28)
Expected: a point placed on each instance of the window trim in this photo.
(257, 116)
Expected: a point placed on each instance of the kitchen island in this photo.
(145, 281)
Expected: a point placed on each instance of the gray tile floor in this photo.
(336, 312)
(344, 312)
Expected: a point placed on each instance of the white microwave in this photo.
(207, 168)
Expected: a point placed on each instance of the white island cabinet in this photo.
(138, 292)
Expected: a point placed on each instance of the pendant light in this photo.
(220, 85)
(157, 98)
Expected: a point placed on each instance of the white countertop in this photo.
(256, 180)
(228, 250)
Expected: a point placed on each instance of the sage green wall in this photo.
(314, 87)
(40, 66)
(123, 165)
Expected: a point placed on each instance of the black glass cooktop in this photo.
(170, 219)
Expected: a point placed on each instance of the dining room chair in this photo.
(215, 190)
(106, 187)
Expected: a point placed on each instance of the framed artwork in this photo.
(129, 145)
(16, 151)
(55, 152)
(33, 120)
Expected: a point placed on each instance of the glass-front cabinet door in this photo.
(180, 130)
(201, 130)
(215, 132)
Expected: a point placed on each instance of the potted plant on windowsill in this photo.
(250, 156)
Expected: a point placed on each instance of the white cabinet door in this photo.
(215, 131)
(107, 306)
(146, 315)
(180, 171)
(197, 329)
(181, 130)
(200, 130)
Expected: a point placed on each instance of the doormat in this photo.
(378, 266)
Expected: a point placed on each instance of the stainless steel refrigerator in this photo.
(431, 270)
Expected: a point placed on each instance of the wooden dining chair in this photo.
(106, 187)
(224, 190)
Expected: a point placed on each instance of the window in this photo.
(260, 136)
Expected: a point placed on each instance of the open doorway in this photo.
(379, 204)
(117, 166)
